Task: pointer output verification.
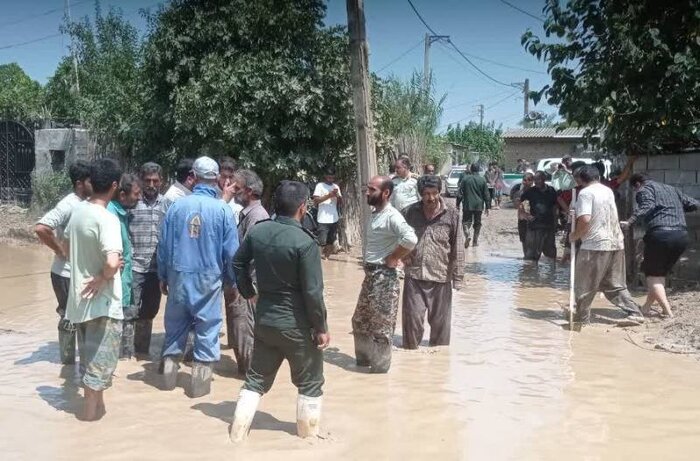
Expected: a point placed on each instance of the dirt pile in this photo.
(17, 225)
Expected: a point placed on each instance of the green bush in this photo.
(48, 189)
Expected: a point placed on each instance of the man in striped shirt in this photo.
(144, 230)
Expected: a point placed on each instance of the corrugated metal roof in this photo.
(545, 133)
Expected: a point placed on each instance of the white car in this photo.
(548, 164)
(452, 180)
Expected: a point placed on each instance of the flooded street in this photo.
(513, 384)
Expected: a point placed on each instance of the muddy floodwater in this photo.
(512, 385)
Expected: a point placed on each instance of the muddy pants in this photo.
(240, 319)
(471, 218)
(66, 330)
(145, 295)
(601, 271)
(98, 342)
(420, 296)
(539, 241)
(272, 347)
(374, 320)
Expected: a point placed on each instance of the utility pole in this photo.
(429, 40)
(481, 115)
(359, 72)
(526, 97)
(72, 47)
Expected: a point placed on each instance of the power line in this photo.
(40, 39)
(45, 13)
(496, 63)
(472, 101)
(420, 42)
(502, 100)
(432, 31)
(517, 8)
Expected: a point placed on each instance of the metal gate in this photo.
(16, 162)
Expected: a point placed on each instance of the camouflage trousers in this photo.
(378, 304)
(99, 342)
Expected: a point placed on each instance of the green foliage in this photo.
(260, 81)
(630, 70)
(48, 189)
(482, 143)
(20, 96)
(406, 117)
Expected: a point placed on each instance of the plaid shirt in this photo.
(439, 254)
(662, 206)
(144, 230)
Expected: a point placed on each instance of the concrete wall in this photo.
(537, 148)
(75, 142)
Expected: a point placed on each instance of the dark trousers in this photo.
(240, 319)
(471, 218)
(66, 331)
(539, 241)
(138, 318)
(272, 347)
(601, 271)
(420, 296)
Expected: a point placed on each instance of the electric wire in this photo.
(398, 58)
(527, 13)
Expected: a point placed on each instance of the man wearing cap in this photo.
(195, 255)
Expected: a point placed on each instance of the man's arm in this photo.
(583, 224)
(241, 268)
(44, 229)
(689, 203)
(311, 277)
(645, 203)
(407, 240)
(230, 246)
(93, 285)
(48, 238)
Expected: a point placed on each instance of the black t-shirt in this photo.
(542, 204)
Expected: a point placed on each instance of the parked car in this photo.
(452, 180)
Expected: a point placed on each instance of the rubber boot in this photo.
(466, 228)
(66, 342)
(200, 383)
(363, 349)
(142, 336)
(475, 242)
(380, 360)
(308, 416)
(170, 369)
(188, 355)
(243, 417)
(127, 347)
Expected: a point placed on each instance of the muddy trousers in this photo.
(374, 320)
(146, 296)
(540, 241)
(272, 347)
(420, 296)
(98, 342)
(240, 319)
(601, 271)
(66, 330)
(471, 218)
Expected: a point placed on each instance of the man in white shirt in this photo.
(327, 197)
(405, 185)
(51, 231)
(184, 181)
(600, 263)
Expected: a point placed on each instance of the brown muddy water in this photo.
(513, 385)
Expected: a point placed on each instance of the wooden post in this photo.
(359, 64)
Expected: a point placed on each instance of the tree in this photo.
(629, 70)
(263, 82)
(20, 96)
(482, 143)
(108, 101)
(406, 119)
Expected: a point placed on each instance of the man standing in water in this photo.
(290, 314)
(144, 230)
(600, 263)
(240, 314)
(475, 197)
(389, 239)
(51, 231)
(95, 297)
(195, 254)
(662, 207)
(127, 196)
(434, 268)
(523, 211)
(541, 216)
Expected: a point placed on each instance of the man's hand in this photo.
(624, 225)
(92, 286)
(322, 340)
(392, 262)
(164, 288)
(121, 263)
(229, 190)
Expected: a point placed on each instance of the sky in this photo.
(481, 29)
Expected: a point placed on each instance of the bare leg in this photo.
(91, 404)
(657, 289)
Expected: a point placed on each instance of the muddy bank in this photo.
(17, 225)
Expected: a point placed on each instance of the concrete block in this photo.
(681, 177)
(656, 175)
(640, 164)
(690, 161)
(692, 190)
(664, 162)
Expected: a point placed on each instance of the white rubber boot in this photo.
(243, 418)
(308, 416)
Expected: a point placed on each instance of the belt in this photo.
(373, 267)
(665, 228)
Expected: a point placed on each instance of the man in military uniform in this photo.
(389, 239)
(290, 315)
(475, 197)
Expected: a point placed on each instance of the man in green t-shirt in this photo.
(95, 297)
(126, 197)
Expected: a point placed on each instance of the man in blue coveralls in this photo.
(195, 254)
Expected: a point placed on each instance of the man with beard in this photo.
(51, 231)
(184, 181)
(434, 268)
(144, 230)
(389, 239)
(126, 198)
(240, 313)
(195, 254)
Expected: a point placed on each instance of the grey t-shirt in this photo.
(387, 230)
(57, 219)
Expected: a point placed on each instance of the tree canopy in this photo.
(20, 96)
(629, 70)
(482, 143)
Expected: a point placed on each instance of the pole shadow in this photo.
(262, 422)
